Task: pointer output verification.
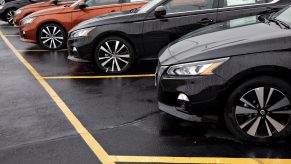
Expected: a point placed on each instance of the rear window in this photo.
(229, 3)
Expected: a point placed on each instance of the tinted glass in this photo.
(101, 2)
(284, 15)
(228, 3)
(174, 6)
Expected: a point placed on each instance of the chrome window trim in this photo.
(261, 4)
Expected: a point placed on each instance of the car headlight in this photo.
(17, 12)
(81, 33)
(27, 20)
(196, 68)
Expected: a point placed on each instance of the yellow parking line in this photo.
(84, 133)
(41, 50)
(8, 35)
(99, 77)
(203, 160)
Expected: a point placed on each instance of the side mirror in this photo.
(55, 1)
(160, 11)
(83, 6)
(262, 18)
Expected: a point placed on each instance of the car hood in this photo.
(225, 40)
(40, 4)
(49, 11)
(112, 18)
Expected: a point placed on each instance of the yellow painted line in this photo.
(202, 160)
(11, 35)
(84, 133)
(41, 50)
(99, 77)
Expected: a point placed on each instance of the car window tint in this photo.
(101, 2)
(174, 6)
(284, 15)
(228, 3)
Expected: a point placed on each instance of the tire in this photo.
(251, 113)
(52, 36)
(114, 55)
(9, 16)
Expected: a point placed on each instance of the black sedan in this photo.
(116, 40)
(240, 68)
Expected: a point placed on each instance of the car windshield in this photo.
(283, 15)
(149, 6)
(76, 3)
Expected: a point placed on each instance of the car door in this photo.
(95, 8)
(183, 16)
(232, 9)
(130, 4)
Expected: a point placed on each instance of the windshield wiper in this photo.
(279, 22)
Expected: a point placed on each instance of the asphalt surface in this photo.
(120, 113)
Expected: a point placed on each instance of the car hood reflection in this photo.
(235, 37)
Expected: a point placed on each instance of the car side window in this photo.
(174, 6)
(91, 3)
(229, 3)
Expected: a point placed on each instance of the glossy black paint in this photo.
(148, 34)
(253, 48)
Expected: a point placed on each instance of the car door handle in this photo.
(112, 11)
(206, 21)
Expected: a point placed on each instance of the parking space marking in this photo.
(98, 150)
(41, 50)
(210, 160)
(12, 35)
(99, 77)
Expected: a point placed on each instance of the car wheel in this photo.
(10, 16)
(259, 110)
(52, 36)
(114, 55)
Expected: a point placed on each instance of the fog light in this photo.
(183, 97)
(75, 49)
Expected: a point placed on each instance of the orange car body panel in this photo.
(37, 7)
(68, 17)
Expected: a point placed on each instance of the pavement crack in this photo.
(138, 120)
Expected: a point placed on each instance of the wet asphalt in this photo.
(121, 114)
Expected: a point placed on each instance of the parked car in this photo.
(26, 10)
(240, 68)
(10, 6)
(49, 27)
(115, 41)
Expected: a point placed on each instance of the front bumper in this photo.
(81, 49)
(28, 33)
(205, 94)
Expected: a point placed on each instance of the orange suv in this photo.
(24, 11)
(49, 27)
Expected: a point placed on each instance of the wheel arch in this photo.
(112, 34)
(48, 22)
(272, 71)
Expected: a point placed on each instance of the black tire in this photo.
(52, 36)
(115, 60)
(259, 124)
(9, 16)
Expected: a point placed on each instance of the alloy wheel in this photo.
(263, 112)
(10, 17)
(52, 37)
(114, 56)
